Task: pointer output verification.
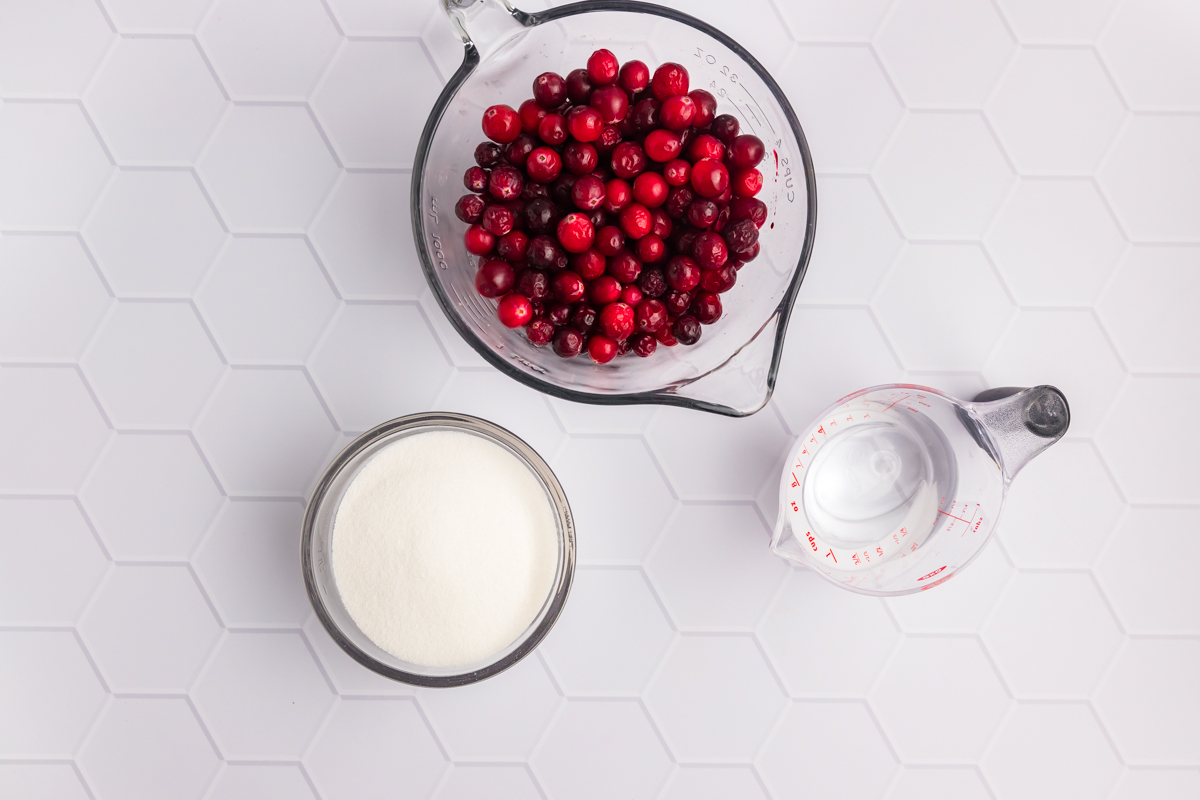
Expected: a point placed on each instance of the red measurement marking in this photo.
(795, 481)
(831, 555)
(960, 519)
(930, 575)
(902, 398)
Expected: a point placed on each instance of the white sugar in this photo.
(444, 548)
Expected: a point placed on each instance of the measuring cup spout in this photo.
(1015, 425)
(485, 30)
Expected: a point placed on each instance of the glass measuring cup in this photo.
(895, 489)
(731, 370)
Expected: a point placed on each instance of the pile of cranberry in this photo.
(612, 210)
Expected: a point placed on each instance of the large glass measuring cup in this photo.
(897, 488)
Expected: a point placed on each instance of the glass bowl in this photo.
(732, 369)
(317, 564)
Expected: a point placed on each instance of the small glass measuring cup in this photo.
(895, 489)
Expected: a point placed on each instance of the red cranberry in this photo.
(498, 220)
(628, 159)
(677, 172)
(602, 67)
(610, 240)
(469, 208)
(553, 129)
(726, 195)
(652, 282)
(541, 215)
(662, 145)
(678, 200)
(583, 318)
(644, 345)
(662, 223)
(669, 80)
(501, 124)
(494, 278)
(706, 107)
(531, 114)
(636, 221)
(706, 146)
(533, 283)
(568, 343)
(748, 208)
(512, 245)
(558, 313)
(634, 76)
(549, 90)
(677, 302)
(617, 195)
(611, 102)
(610, 137)
(746, 151)
(683, 237)
(616, 321)
(709, 177)
(487, 154)
(505, 182)
(650, 315)
(540, 332)
(544, 165)
(651, 248)
(644, 116)
(631, 296)
(543, 251)
(567, 286)
(478, 241)
(476, 179)
(588, 192)
(685, 137)
(725, 127)
(709, 250)
(702, 213)
(687, 329)
(584, 123)
(722, 219)
(750, 253)
(683, 274)
(604, 290)
(624, 266)
(589, 264)
(579, 86)
(664, 335)
(677, 112)
(706, 307)
(514, 311)
(719, 280)
(601, 348)
(580, 158)
(747, 182)
(740, 236)
(575, 233)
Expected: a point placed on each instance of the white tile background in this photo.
(208, 285)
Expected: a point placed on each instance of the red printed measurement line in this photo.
(902, 398)
(960, 519)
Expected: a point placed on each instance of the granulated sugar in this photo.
(444, 548)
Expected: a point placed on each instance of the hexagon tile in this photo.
(208, 286)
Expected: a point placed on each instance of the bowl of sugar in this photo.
(438, 549)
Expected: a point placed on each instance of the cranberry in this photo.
(748, 208)
(540, 332)
(634, 76)
(706, 107)
(558, 313)
(719, 280)
(677, 112)
(560, 189)
(599, 218)
(662, 223)
(750, 253)
(604, 290)
(575, 233)
(584, 123)
(505, 182)
(636, 221)
(664, 335)
(746, 151)
(498, 220)
(709, 177)
(568, 343)
(542, 251)
(610, 137)
(514, 311)
(476, 179)
(652, 282)
(644, 116)
(501, 124)
(631, 296)
(544, 165)
(553, 129)
(579, 86)
(602, 67)
(610, 240)
(567, 286)
(589, 264)
(512, 245)
(651, 248)
(494, 278)
(706, 307)
(602, 349)
(677, 302)
(533, 283)
(644, 344)
(683, 274)
(628, 159)
(583, 318)
(517, 207)
(487, 154)
(709, 250)
(624, 266)
(687, 329)
(677, 172)
(725, 128)
(617, 195)
(616, 320)
(549, 90)
(611, 102)
(533, 190)
(469, 208)
(478, 241)
(650, 315)
(683, 238)
(706, 146)
(663, 145)
(531, 114)
(746, 182)
(588, 192)
(541, 215)
(580, 158)
(740, 236)
(702, 213)
(678, 200)
(669, 80)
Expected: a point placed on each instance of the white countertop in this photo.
(208, 286)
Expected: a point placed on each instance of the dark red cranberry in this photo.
(558, 313)
(644, 116)
(533, 283)
(746, 182)
(469, 208)
(686, 136)
(750, 253)
(651, 248)
(663, 145)
(652, 282)
(706, 146)
(568, 342)
(669, 80)
(518, 150)
(746, 151)
(617, 195)
(567, 286)
(650, 315)
(706, 307)
(722, 219)
(719, 280)
(677, 112)
(616, 320)
(583, 318)
(512, 245)
(683, 237)
(494, 278)
(644, 344)
(579, 86)
(610, 137)
(624, 127)
(553, 129)
(662, 223)
(636, 221)
(589, 264)
(609, 240)
(602, 67)
(709, 250)
(709, 177)
(501, 124)
(476, 179)
(584, 123)
(487, 154)
(634, 76)
(599, 218)
(505, 182)
(631, 295)
(603, 173)
(534, 190)
(678, 200)
(580, 158)
(588, 192)
(531, 114)
(478, 241)
(677, 172)
(740, 236)
(706, 107)
(628, 159)
(514, 311)
(687, 329)
(611, 102)
(748, 208)
(540, 332)
(549, 90)
(664, 336)
(560, 190)
(702, 213)
(541, 215)
(601, 348)
(683, 274)
(604, 290)
(624, 266)
(677, 302)
(575, 233)
(498, 220)
(542, 251)
(724, 127)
